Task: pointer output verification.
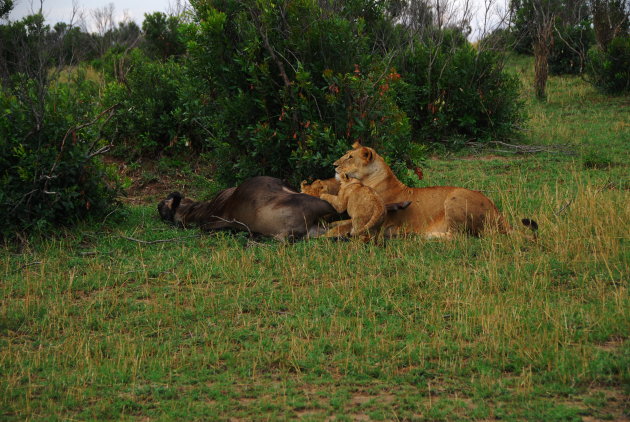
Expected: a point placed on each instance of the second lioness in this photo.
(365, 208)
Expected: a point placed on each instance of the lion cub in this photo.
(366, 209)
(320, 186)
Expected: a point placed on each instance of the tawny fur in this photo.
(436, 211)
(365, 208)
(319, 186)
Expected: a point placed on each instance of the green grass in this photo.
(96, 326)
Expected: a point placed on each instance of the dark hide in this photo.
(261, 205)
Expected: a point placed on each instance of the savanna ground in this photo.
(96, 326)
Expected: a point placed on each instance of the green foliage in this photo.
(21, 45)
(154, 104)
(74, 45)
(459, 93)
(609, 70)
(161, 38)
(570, 15)
(5, 7)
(501, 39)
(126, 34)
(48, 175)
(570, 48)
(610, 20)
(29, 43)
(291, 88)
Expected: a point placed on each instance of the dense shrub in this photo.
(27, 44)
(348, 107)
(19, 46)
(49, 175)
(609, 70)
(570, 48)
(161, 38)
(458, 93)
(155, 102)
(569, 41)
(287, 91)
(501, 39)
(284, 90)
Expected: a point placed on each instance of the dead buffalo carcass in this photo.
(261, 205)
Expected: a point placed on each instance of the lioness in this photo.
(319, 186)
(437, 211)
(365, 208)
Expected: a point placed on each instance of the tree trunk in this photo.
(541, 70)
(542, 47)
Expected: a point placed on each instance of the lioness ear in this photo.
(344, 177)
(356, 145)
(302, 184)
(366, 153)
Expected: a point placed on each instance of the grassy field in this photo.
(94, 325)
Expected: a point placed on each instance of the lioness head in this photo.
(357, 163)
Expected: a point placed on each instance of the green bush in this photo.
(570, 48)
(161, 39)
(285, 90)
(305, 137)
(49, 173)
(156, 106)
(609, 70)
(458, 93)
(289, 90)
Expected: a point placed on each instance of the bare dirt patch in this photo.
(616, 406)
(148, 183)
(358, 399)
(310, 414)
(611, 345)
(601, 403)
(359, 417)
